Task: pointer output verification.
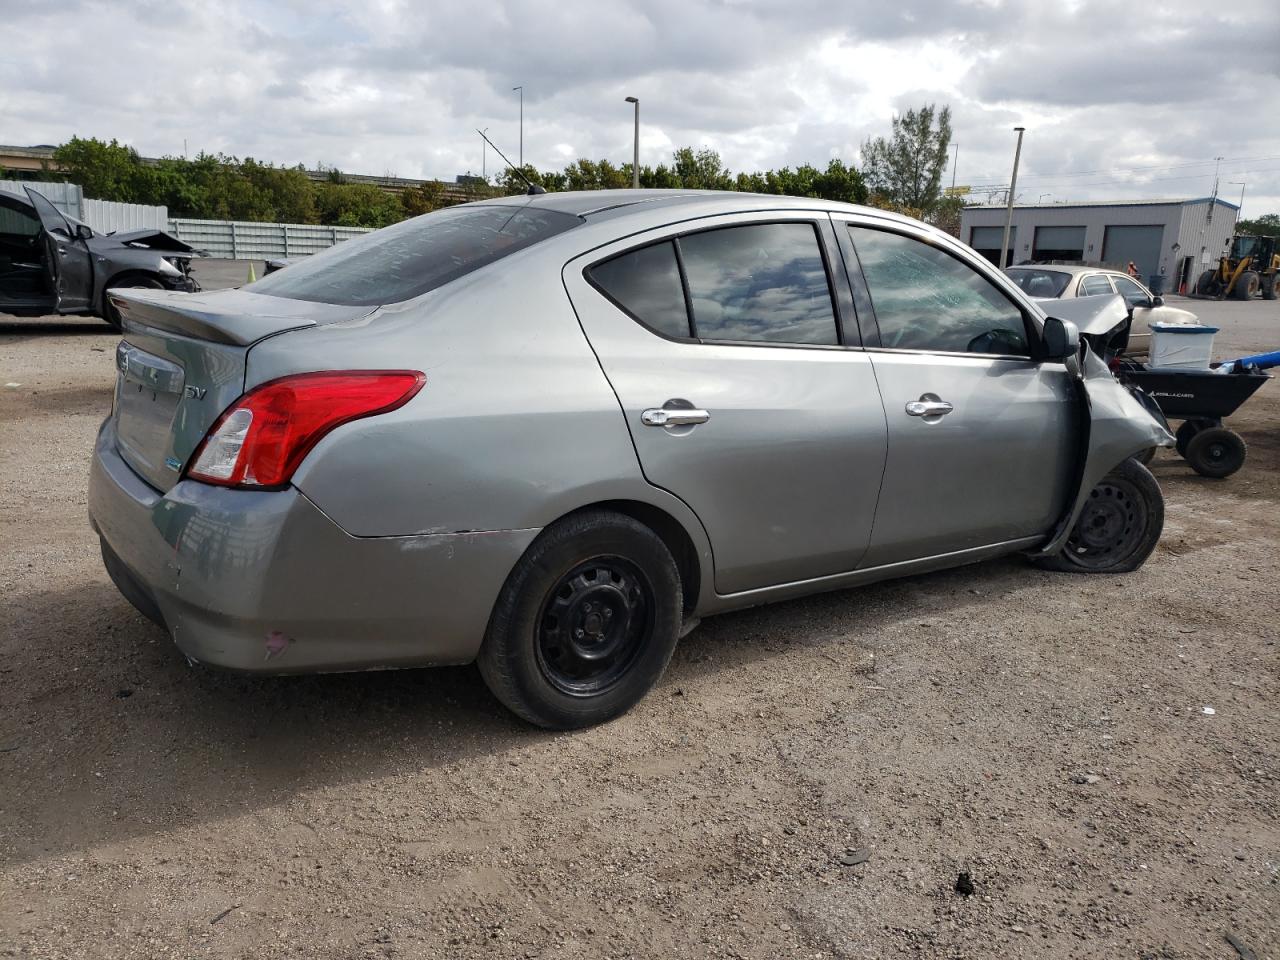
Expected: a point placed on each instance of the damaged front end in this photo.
(1117, 422)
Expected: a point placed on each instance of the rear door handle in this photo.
(673, 417)
(928, 405)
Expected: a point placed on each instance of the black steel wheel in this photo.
(128, 282)
(1119, 525)
(586, 622)
(593, 624)
(1216, 452)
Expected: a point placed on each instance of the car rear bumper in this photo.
(265, 582)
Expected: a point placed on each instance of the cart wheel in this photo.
(1216, 452)
(1144, 457)
(1188, 430)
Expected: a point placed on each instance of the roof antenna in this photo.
(534, 189)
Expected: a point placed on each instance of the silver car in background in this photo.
(550, 433)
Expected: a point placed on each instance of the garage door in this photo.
(1139, 244)
(986, 241)
(1058, 243)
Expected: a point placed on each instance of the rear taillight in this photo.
(262, 438)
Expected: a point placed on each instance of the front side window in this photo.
(646, 283)
(759, 282)
(926, 299)
(1132, 293)
(1094, 285)
(406, 260)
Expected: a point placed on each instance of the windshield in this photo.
(1045, 284)
(1243, 247)
(406, 260)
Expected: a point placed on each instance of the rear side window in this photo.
(646, 283)
(765, 282)
(1094, 285)
(406, 260)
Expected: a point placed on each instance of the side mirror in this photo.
(1061, 339)
(84, 231)
(1157, 301)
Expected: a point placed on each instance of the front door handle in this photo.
(929, 405)
(673, 416)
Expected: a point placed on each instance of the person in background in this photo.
(1133, 269)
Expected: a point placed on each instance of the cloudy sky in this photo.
(1120, 100)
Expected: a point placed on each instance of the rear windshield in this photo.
(406, 260)
(1047, 284)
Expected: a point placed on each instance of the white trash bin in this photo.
(1181, 346)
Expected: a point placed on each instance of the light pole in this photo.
(521, 89)
(1042, 196)
(635, 153)
(483, 152)
(1008, 213)
(954, 161)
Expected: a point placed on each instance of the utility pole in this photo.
(1241, 185)
(1008, 213)
(484, 150)
(521, 89)
(635, 154)
(955, 160)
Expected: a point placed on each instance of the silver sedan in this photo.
(550, 433)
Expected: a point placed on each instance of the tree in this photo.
(702, 170)
(906, 169)
(1267, 225)
(106, 171)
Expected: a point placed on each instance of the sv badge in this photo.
(195, 393)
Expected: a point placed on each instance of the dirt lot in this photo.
(1050, 735)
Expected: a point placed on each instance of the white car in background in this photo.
(1055, 282)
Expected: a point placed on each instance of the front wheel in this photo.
(1206, 284)
(585, 623)
(1119, 526)
(1246, 287)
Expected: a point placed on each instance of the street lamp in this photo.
(635, 154)
(521, 89)
(1241, 185)
(1008, 213)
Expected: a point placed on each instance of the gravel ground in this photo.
(1099, 755)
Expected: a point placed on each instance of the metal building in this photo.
(1176, 239)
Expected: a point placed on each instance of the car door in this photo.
(723, 344)
(1142, 308)
(982, 436)
(68, 263)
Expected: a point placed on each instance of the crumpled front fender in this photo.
(1116, 427)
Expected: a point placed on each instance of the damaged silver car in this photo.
(550, 433)
(51, 263)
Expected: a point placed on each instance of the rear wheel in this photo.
(128, 281)
(1246, 287)
(1119, 526)
(1216, 452)
(1269, 289)
(585, 623)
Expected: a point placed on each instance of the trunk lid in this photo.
(182, 362)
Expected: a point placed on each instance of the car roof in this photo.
(594, 204)
(1071, 268)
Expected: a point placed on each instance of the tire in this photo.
(130, 281)
(1269, 291)
(1119, 526)
(1246, 287)
(594, 574)
(1144, 457)
(1186, 431)
(1216, 452)
(1207, 285)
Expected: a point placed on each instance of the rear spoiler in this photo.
(234, 317)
